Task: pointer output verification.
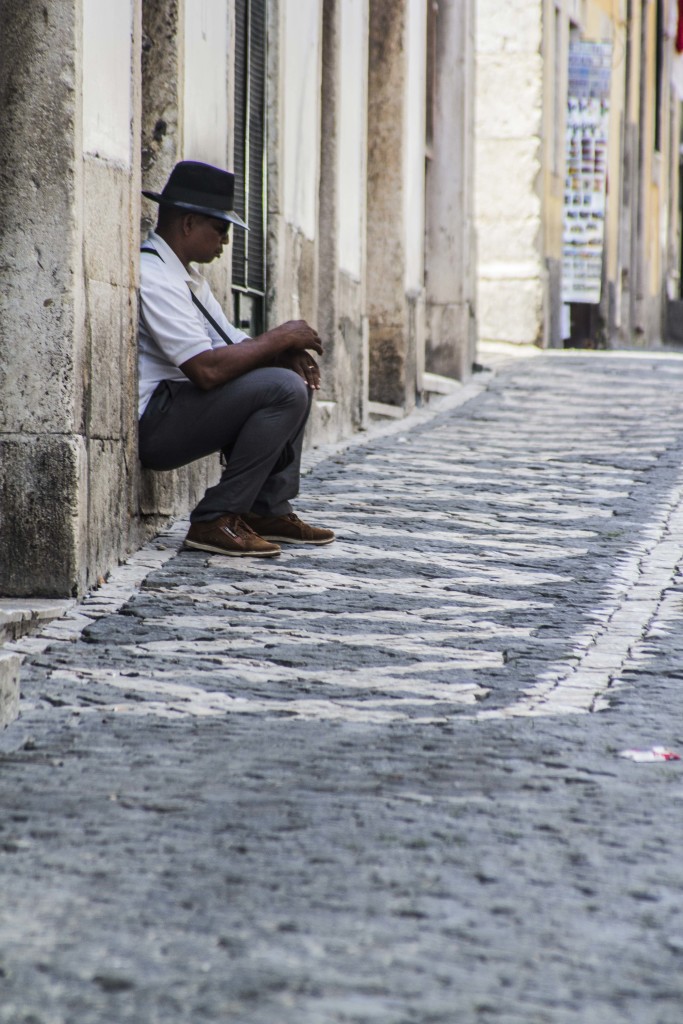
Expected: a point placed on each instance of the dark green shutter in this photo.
(248, 259)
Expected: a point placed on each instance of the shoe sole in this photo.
(214, 549)
(293, 540)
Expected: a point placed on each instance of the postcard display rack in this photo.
(590, 66)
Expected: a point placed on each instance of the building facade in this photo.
(349, 124)
(579, 239)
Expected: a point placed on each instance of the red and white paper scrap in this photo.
(653, 754)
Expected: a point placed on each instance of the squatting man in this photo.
(206, 387)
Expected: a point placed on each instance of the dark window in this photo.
(249, 248)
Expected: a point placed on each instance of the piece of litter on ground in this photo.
(653, 754)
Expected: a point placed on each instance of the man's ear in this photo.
(188, 222)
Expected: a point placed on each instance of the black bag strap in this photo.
(217, 327)
(202, 309)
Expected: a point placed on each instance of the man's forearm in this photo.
(217, 366)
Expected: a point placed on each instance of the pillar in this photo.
(450, 257)
(395, 199)
(67, 293)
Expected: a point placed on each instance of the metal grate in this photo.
(249, 250)
(239, 254)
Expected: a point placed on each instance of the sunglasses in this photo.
(221, 227)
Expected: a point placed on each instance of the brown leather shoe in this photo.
(288, 529)
(229, 535)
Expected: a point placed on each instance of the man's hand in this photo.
(297, 335)
(303, 364)
(290, 341)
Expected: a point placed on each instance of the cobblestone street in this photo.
(377, 782)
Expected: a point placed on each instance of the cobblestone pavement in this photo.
(377, 781)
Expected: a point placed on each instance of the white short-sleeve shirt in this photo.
(172, 329)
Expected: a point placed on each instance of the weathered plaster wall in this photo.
(67, 425)
(509, 125)
(342, 403)
(659, 135)
(162, 110)
(346, 209)
(42, 452)
(301, 28)
(348, 49)
(298, 153)
(110, 47)
(207, 48)
(393, 348)
(450, 245)
(107, 95)
(414, 139)
(164, 92)
(109, 367)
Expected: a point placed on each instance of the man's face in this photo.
(207, 237)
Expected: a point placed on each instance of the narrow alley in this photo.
(377, 781)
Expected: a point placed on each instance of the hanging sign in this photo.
(590, 66)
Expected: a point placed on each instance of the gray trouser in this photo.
(257, 421)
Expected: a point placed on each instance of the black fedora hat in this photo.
(200, 188)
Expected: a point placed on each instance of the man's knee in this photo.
(291, 387)
(266, 387)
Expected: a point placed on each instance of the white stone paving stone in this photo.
(121, 583)
(195, 701)
(650, 569)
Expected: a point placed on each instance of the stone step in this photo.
(9, 687)
(21, 616)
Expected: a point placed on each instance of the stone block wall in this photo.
(392, 348)
(450, 237)
(161, 495)
(346, 252)
(509, 155)
(69, 239)
(43, 448)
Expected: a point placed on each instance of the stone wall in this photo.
(162, 145)
(509, 150)
(521, 80)
(450, 243)
(392, 350)
(340, 313)
(67, 339)
(347, 251)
